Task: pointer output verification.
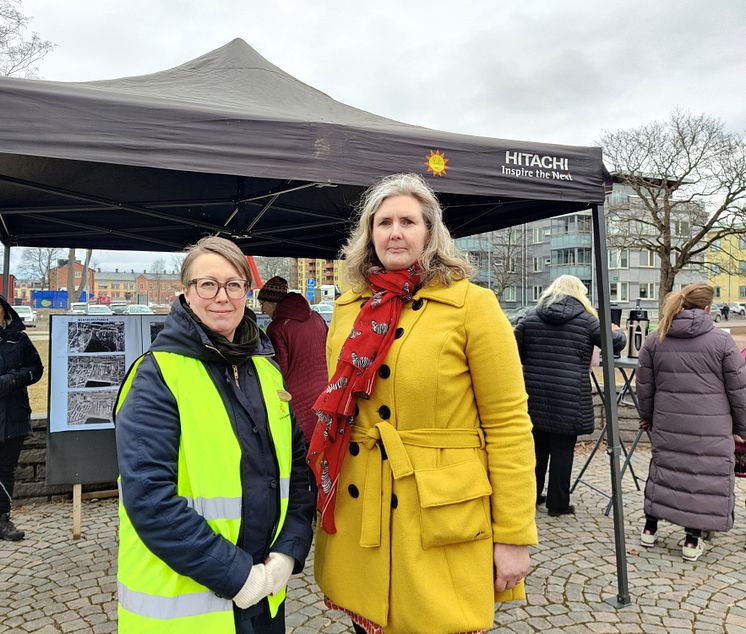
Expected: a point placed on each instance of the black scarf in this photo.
(244, 341)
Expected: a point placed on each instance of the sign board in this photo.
(310, 285)
(88, 359)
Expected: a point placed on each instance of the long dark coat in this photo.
(20, 366)
(692, 387)
(556, 344)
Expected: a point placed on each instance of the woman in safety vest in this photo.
(215, 507)
(423, 452)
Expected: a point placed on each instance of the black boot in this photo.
(8, 531)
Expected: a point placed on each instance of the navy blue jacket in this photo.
(147, 433)
(556, 344)
(20, 366)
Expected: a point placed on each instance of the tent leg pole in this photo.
(612, 422)
(6, 273)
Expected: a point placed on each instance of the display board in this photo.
(88, 360)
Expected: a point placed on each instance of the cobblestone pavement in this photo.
(50, 583)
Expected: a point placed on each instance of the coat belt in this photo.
(393, 442)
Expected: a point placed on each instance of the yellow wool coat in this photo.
(440, 466)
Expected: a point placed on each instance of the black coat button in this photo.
(354, 448)
(417, 304)
(394, 501)
(399, 333)
(384, 412)
(352, 489)
(384, 371)
(273, 484)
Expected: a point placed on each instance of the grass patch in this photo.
(37, 393)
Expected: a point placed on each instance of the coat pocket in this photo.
(454, 504)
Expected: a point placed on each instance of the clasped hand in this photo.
(512, 563)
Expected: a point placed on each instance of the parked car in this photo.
(516, 315)
(119, 308)
(325, 310)
(99, 309)
(78, 308)
(737, 308)
(138, 309)
(716, 312)
(28, 315)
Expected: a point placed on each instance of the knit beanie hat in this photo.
(275, 290)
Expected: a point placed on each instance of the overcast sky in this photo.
(541, 70)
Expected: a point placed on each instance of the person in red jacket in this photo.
(298, 336)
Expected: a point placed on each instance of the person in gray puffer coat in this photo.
(691, 387)
(556, 343)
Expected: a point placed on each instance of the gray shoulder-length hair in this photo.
(440, 257)
(219, 246)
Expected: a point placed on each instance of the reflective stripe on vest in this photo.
(152, 596)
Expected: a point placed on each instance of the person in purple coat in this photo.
(691, 387)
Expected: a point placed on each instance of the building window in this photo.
(716, 269)
(537, 235)
(742, 243)
(742, 267)
(538, 268)
(77, 274)
(619, 259)
(681, 228)
(647, 290)
(741, 292)
(619, 291)
(717, 292)
(509, 294)
(511, 265)
(536, 292)
(647, 258)
(562, 257)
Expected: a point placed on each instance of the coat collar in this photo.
(453, 295)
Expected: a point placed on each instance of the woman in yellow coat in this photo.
(423, 452)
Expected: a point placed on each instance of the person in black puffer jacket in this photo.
(556, 343)
(20, 366)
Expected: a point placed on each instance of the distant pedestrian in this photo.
(691, 387)
(20, 366)
(556, 344)
(298, 335)
(726, 311)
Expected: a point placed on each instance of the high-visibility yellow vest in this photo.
(152, 596)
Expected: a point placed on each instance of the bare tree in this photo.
(270, 267)
(506, 259)
(36, 262)
(73, 293)
(683, 189)
(157, 270)
(19, 48)
(175, 261)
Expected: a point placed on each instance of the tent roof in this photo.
(229, 142)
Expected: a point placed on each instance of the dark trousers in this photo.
(261, 623)
(651, 524)
(558, 452)
(9, 452)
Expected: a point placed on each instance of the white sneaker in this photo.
(647, 539)
(692, 553)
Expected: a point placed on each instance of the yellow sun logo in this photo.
(437, 163)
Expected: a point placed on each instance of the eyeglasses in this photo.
(207, 288)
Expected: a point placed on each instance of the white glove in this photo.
(280, 568)
(258, 585)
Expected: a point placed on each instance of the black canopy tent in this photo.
(229, 143)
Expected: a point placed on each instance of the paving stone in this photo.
(51, 584)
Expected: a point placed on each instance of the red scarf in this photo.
(362, 354)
